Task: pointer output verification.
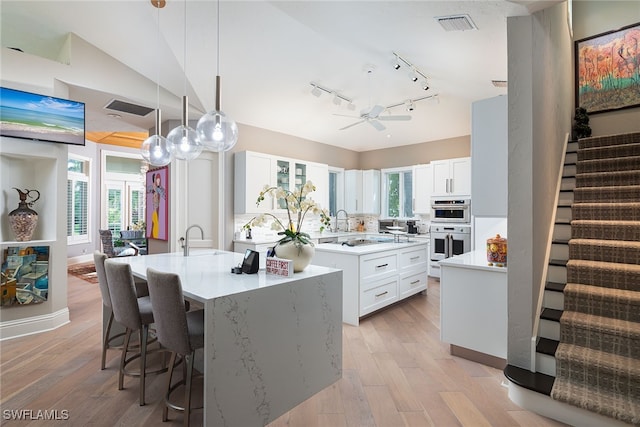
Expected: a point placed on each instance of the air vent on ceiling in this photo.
(456, 22)
(127, 107)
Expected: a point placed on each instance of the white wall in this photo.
(540, 107)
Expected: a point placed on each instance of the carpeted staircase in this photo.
(598, 355)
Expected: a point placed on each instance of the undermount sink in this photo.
(359, 242)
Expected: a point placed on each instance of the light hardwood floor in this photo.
(396, 373)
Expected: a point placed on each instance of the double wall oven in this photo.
(450, 231)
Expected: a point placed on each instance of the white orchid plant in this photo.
(298, 205)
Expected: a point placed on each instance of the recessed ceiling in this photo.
(269, 53)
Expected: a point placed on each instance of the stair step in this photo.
(553, 300)
(606, 230)
(569, 170)
(551, 314)
(534, 381)
(601, 301)
(558, 262)
(626, 211)
(545, 364)
(572, 147)
(612, 194)
(605, 274)
(547, 346)
(593, 179)
(609, 140)
(609, 152)
(555, 286)
(614, 251)
(617, 164)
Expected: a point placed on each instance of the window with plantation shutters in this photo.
(78, 170)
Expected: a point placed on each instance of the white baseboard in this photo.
(79, 259)
(33, 325)
(544, 405)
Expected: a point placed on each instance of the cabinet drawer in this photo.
(376, 266)
(413, 259)
(382, 293)
(413, 283)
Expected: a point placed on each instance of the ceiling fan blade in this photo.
(375, 111)
(347, 115)
(405, 117)
(376, 124)
(351, 125)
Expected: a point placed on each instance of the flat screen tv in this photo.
(40, 117)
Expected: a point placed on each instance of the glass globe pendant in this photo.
(156, 149)
(215, 130)
(183, 139)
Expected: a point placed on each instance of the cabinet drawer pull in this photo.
(415, 257)
(384, 293)
(382, 265)
(415, 282)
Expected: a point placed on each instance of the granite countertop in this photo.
(476, 260)
(369, 248)
(343, 235)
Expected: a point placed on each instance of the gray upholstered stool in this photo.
(134, 314)
(179, 332)
(141, 290)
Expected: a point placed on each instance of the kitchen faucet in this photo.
(346, 219)
(186, 242)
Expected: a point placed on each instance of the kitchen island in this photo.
(376, 274)
(473, 308)
(270, 342)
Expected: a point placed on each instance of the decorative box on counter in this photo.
(279, 266)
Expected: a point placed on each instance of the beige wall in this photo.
(415, 154)
(595, 17)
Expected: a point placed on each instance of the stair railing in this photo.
(545, 268)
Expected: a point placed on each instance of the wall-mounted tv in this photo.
(40, 117)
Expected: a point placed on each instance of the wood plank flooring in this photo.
(396, 373)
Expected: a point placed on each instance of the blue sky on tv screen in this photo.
(41, 103)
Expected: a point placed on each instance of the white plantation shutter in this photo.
(78, 199)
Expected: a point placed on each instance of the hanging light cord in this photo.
(158, 76)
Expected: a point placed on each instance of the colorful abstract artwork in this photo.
(24, 278)
(157, 204)
(608, 70)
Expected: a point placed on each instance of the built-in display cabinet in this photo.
(40, 166)
(452, 177)
(362, 191)
(255, 170)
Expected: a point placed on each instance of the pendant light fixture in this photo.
(156, 149)
(215, 130)
(184, 139)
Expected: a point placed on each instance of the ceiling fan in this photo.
(373, 117)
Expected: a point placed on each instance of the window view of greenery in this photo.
(114, 211)
(333, 193)
(399, 194)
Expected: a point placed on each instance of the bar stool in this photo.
(141, 290)
(178, 331)
(134, 314)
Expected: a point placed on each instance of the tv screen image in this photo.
(40, 117)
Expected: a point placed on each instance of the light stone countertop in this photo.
(476, 260)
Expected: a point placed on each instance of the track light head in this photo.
(410, 106)
(316, 91)
(336, 99)
(425, 85)
(396, 66)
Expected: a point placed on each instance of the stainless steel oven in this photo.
(448, 240)
(451, 210)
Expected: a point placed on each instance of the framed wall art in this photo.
(608, 70)
(24, 276)
(157, 203)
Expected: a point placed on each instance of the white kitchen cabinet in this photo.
(362, 191)
(422, 188)
(252, 172)
(452, 177)
(255, 170)
(489, 151)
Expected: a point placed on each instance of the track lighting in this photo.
(409, 104)
(425, 85)
(414, 74)
(337, 98)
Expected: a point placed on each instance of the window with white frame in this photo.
(123, 197)
(78, 174)
(397, 194)
(336, 190)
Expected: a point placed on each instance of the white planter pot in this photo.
(300, 255)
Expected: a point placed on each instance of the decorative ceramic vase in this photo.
(24, 220)
(300, 254)
(497, 251)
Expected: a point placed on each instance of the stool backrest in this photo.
(98, 259)
(167, 303)
(124, 301)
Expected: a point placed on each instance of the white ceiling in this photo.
(271, 50)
